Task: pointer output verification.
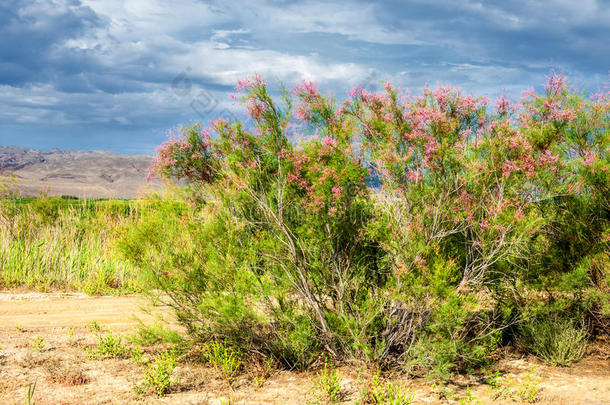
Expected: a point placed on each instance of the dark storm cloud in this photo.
(81, 73)
(31, 32)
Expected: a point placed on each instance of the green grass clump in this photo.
(152, 334)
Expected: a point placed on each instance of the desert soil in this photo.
(65, 375)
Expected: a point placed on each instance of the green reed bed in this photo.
(66, 244)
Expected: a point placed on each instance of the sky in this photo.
(118, 74)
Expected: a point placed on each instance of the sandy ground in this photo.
(65, 375)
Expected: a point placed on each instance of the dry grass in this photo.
(65, 374)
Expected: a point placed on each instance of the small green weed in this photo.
(108, 346)
(264, 371)
(528, 390)
(469, 399)
(223, 357)
(30, 390)
(328, 384)
(38, 343)
(158, 373)
(500, 389)
(95, 327)
(378, 393)
(441, 392)
(137, 354)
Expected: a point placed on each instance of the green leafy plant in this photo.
(108, 345)
(158, 373)
(95, 326)
(38, 343)
(528, 389)
(328, 384)
(469, 398)
(500, 388)
(223, 357)
(378, 393)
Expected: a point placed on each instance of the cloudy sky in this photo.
(117, 74)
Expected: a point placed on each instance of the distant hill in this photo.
(91, 174)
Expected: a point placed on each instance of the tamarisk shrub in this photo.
(292, 254)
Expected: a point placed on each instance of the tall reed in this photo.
(65, 244)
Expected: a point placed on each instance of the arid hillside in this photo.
(91, 174)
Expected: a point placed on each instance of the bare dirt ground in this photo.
(42, 339)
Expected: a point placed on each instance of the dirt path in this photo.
(44, 311)
(43, 336)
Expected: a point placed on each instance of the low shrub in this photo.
(558, 342)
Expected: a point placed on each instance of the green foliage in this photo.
(223, 357)
(528, 390)
(378, 393)
(158, 373)
(51, 242)
(499, 387)
(469, 398)
(108, 345)
(328, 384)
(38, 343)
(157, 333)
(30, 390)
(558, 342)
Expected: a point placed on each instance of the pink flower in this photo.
(556, 82)
(508, 168)
(336, 190)
(503, 104)
(414, 176)
(329, 142)
(589, 157)
(419, 262)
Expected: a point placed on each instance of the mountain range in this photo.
(85, 174)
